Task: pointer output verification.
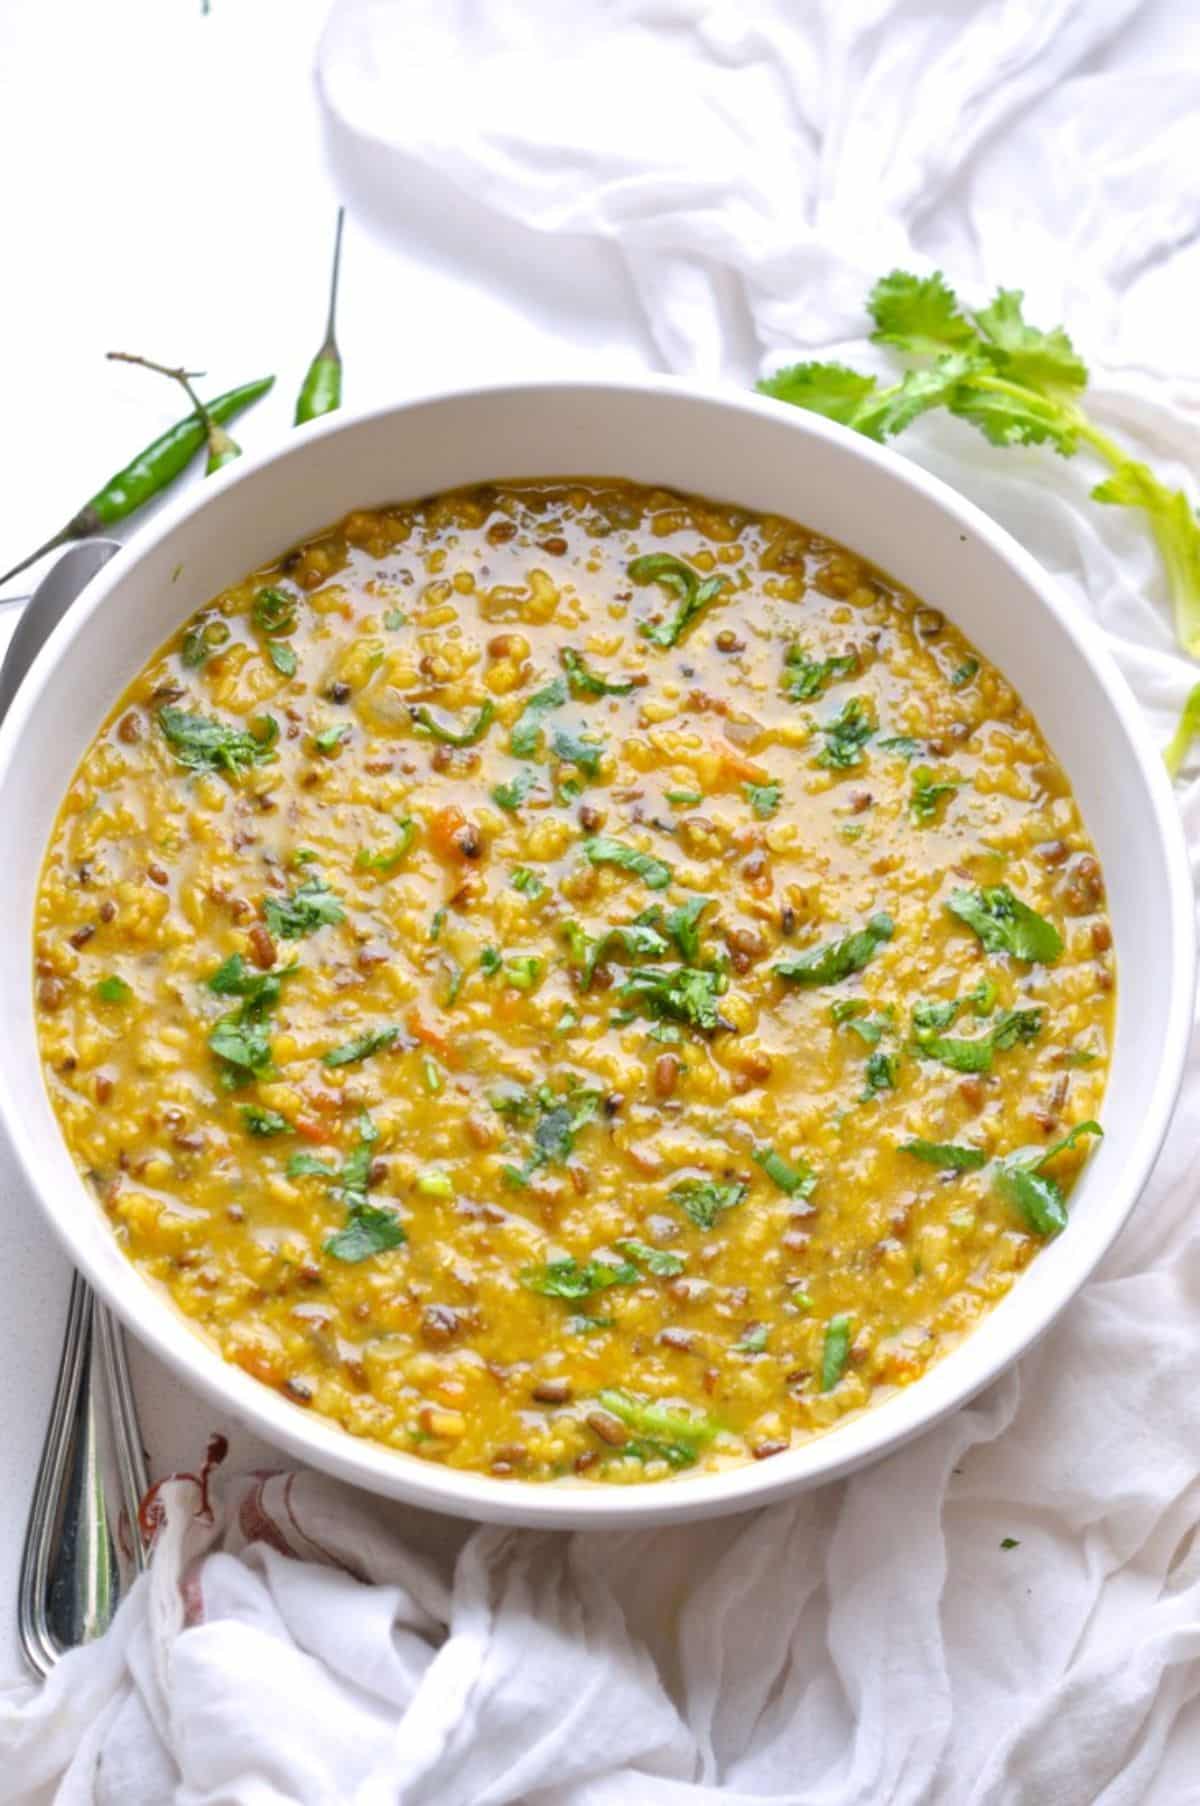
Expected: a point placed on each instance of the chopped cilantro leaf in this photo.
(838, 959)
(658, 1261)
(845, 737)
(603, 850)
(112, 990)
(586, 682)
(944, 1154)
(202, 744)
(510, 796)
(313, 905)
(369, 1230)
(283, 657)
(673, 575)
(764, 799)
(565, 1278)
(805, 678)
(684, 993)
(264, 1122)
(1006, 925)
(373, 1041)
(426, 722)
(526, 733)
(797, 1181)
(704, 1200)
(928, 793)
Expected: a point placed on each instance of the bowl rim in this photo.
(868, 1435)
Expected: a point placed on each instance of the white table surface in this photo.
(167, 190)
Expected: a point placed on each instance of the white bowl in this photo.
(734, 447)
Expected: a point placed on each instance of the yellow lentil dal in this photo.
(565, 978)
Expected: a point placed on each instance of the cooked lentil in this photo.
(544, 1029)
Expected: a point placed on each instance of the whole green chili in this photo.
(149, 473)
(321, 390)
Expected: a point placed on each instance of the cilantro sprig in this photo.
(1019, 385)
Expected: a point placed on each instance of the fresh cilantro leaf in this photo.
(962, 675)
(395, 618)
(586, 682)
(565, 1278)
(264, 1122)
(903, 745)
(490, 962)
(243, 1047)
(313, 905)
(426, 722)
(259, 991)
(112, 990)
(373, 1041)
(975, 1056)
(1045, 361)
(764, 799)
(1020, 1179)
(202, 744)
(1006, 925)
(845, 737)
(805, 678)
(683, 993)
(944, 1154)
(527, 882)
(274, 611)
(283, 657)
(369, 1230)
(833, 390)
(882, 1071)
(927, 794)
(526, 733)
(602, 849)
(523, 972)
(510, 796)
(683, 926)
(574, 748)
(658, 1261)
(754, 1341)
(687, 799)
(919, 314)
(1177, 532)
(204, 637)
(838, 959)
(704, 1200)
(330, 738)
(680, 579)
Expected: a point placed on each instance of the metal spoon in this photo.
(83, 1545)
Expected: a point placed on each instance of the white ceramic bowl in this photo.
(734, 447)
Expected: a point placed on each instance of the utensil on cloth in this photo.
(82, 1544)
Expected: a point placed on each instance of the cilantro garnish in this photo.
(704, 1200)
(603, 850)
(313, 905)
(679, 579)
(805, 677)
(1020, 1180)
(526, 733)
(1006, 925)
(586, 682)
(202, 744)
(426, 722)
(836, 960)
(764, 799)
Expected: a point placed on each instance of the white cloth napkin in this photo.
(711, 188)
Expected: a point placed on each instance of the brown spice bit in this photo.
(613, 1104)
(108, 910)
(262, 947)
(971, 1092)
(556, 545)
(590, 818)
(1101, 937)
(666, 1071)
(748, 941)
(787, 920)
(1085, 885)
(300, 1390)
(377, 768)
(338, 691)
(51, 993)
(193, 1142)
(129, 729)
(860, 801)
(377, 1172)
(479, 1131)
(82, 935)
(500, 532)
(587, 1458)
(1052, 852)
(157, 874)
(104, 1087)
(367, 958)
(929, 622)
(727, 641)
(552, 1392)
(510, 1455)
(756, 870)
(439, 1324)
(1104, 979)
(608, 1428)
(762, 1451)
(684, 1340)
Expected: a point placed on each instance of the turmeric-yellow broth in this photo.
(569, 978)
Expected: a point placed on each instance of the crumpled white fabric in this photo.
(717, 184)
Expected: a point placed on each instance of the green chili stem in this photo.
(222, 446)
(321, 390)
(146, 475)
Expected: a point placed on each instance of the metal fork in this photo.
(83, 1544)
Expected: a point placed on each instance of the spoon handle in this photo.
(83, 1545)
